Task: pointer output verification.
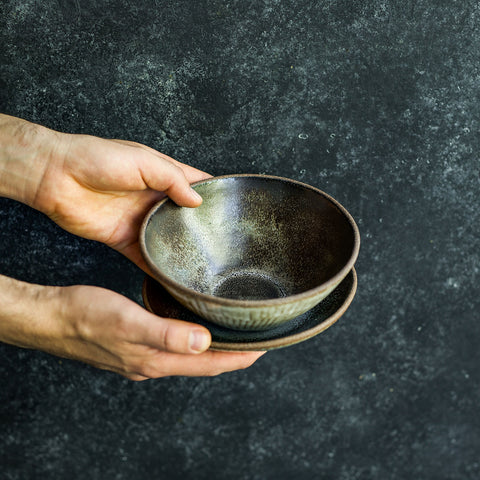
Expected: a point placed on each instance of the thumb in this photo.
(164, 175)
(175, 336)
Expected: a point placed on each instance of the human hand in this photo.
(95, 188)
(101, 189)
(106, 330)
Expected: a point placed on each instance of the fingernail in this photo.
(196, 195)
(199, 341)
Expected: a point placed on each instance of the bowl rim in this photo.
(272, 302)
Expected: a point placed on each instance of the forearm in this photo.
(25, 151)
(27, 313)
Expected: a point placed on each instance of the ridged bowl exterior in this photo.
(251, 317)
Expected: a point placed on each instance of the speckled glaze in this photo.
(259, 251)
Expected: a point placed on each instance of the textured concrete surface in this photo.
(376, 103)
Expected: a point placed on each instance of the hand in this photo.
(95, 188)
(111, 332)
(108, 331)
(102, 189)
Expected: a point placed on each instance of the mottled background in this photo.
(375, 102)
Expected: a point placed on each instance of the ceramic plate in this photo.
(315, 321)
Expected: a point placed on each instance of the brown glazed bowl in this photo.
(259, 251)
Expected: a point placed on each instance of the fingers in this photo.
(166, 334)
(192, 173)
(167, 177)
(176, 347)
(211, 363)
(163, 173)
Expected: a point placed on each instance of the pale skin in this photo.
(99, 189)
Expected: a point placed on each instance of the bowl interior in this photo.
(253, 238)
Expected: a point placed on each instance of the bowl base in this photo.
(248, 286)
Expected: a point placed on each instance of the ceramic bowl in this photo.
(259, 251)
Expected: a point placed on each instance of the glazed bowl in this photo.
(259, 251)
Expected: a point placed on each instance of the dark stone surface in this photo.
(376, 103)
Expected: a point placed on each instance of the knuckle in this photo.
(177, 175)
(167, 338)
(176, 170)
(147, 368)
(141, 367)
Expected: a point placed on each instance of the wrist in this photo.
(27, 151)
(28, 314)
